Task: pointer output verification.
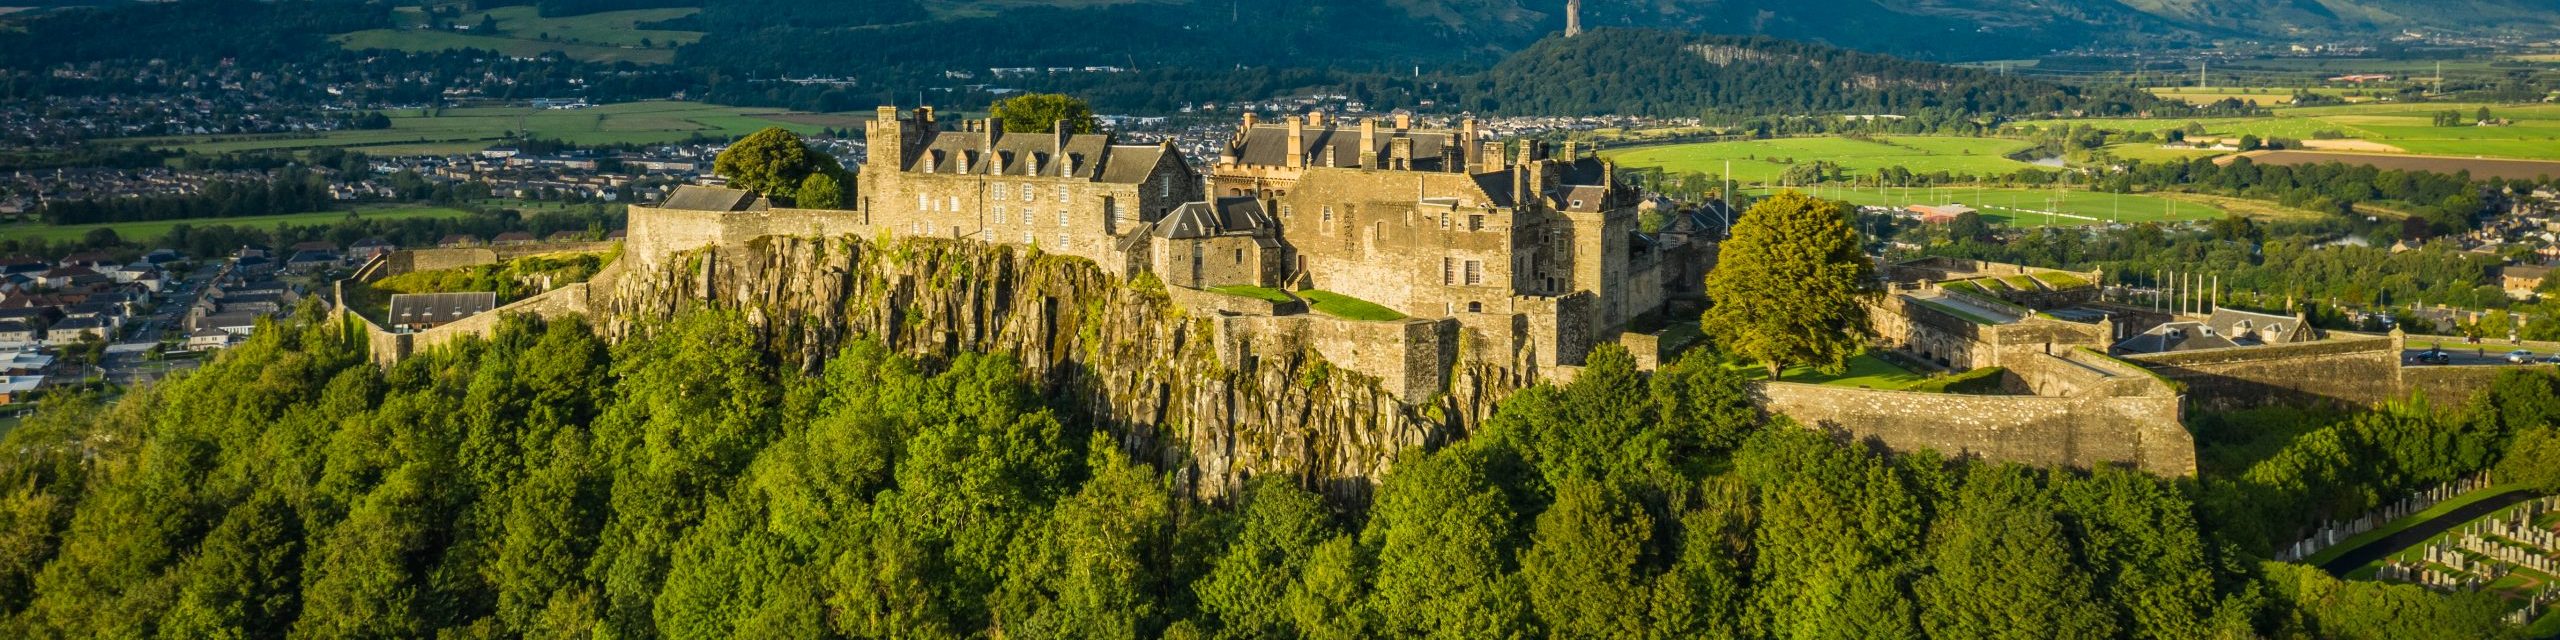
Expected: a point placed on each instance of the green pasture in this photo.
(466, 129)
(1763, 161)
(145, 231)
(2534, 134)
(2028, 207)
(610, 36)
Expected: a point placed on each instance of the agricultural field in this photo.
(2273, 97)
(2403, 127)
(1763, 161)
(470, 128)
(2036, 207)
(144, 231)
(2479, 167)
(611, 36)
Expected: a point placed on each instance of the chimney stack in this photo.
(1401, 152)
(1369, 143)
(1404, 121)
(1572, 18)
(1297, 144)
(1315, 119)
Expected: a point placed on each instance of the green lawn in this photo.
(1957, 311)
(1258, 293)
(471, 128)
(1347, 307)
(146, 231)
(2028, 207)
(1867, 371)
(609, 36)
(1763, 161)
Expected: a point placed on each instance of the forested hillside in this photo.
(681, 485)
(1665, 73)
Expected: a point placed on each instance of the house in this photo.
(367, 248)
(2521, 281)
(307, 261)
(1939, 214)
(23, 264)
(253, 265)
(566, 236)
(422, 311)
(68, 276)
(237, 323)
(15, 331)
(71, 331)
(17, 389)
(512, 238)
(457, 241)
(208, 339)
(24, 361)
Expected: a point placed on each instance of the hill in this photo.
(1657, 72)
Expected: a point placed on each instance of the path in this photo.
(2405, 538)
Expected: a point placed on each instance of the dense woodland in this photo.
(683, 484)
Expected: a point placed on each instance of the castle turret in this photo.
(886, 135)
(1572, 18)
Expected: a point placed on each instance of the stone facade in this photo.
(1065, 193)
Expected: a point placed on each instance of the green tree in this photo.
(1248, 588)
(2002, 568)
(1584, 572)
(1040, 113)
(773, 162)
(1791, 286)
(1445, 534)
(821, 190)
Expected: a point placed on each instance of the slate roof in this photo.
(1268, 145)
(694, 197)
(1219, 217)
(2176, 336)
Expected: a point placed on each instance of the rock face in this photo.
(1122, 354)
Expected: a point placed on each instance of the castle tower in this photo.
(1572, 18)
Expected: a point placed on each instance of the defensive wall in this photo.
(2346, 370)
(388, 347)
(2097, 411)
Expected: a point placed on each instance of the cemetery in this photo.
(2514, 552)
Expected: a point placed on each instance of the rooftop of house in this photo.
(694, 197)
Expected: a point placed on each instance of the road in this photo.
(128, 362)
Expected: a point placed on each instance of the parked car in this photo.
(2550, 359)
(2431, 356)
(2519, 356)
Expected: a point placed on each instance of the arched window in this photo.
(1475, 307)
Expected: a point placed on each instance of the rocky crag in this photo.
(1132, 362)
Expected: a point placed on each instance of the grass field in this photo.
(143, 231)
(470, 128)
(610, 36)
(2028, 207)
(2409, 127)
(1763, 161)
(1265, 294)
(1347, 307)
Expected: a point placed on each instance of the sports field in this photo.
(470, 128)
(2035, 207)
(146, 231)
(2406, 127)
(610, 36)
(1763, 161)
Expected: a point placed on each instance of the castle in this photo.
(1519, 255)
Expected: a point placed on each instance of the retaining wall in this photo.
(2346, 370)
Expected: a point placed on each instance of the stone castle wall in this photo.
(2141, 431)
(2346, 370)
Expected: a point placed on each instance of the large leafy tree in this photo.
(773, 162)
(1791, 286)
(1040, 112)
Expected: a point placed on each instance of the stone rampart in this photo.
(2140, 431)
(2447, 385)
(2346, 370)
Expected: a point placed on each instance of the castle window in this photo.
(1165, 189)
(1062, 240)
(924, 202)
(1029, 194)
(1475, 307)
(1475, 273)
(1239, 256)
(1004, 191)
(1062, 216)
(1062, 193)
(999, 214)
(1287, 211)
(1027, 239)
(1475, 222)
(955, 203)
(1448, 271)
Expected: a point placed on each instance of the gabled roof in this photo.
(1224, 216)
(694, 197)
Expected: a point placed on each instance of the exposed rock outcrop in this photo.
(1121, 353)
